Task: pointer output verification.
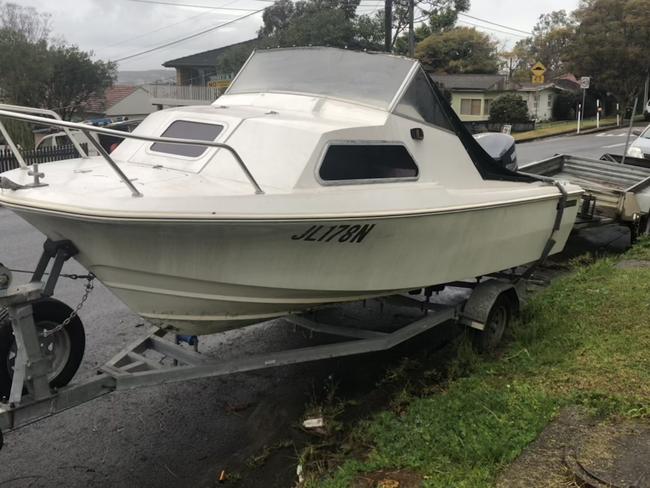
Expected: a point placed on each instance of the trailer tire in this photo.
(70, 343)
(498, 320)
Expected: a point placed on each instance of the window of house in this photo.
(549, 103)
(470, 106)
(419, 102)
(184, 129)
(486, 106)
(347, 162)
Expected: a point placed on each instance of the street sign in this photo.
(219, 83)
(538, 71)
(584, 82)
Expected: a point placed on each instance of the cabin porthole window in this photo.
(185, 129)
(367, 162)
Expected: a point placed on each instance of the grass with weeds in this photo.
(582, 341)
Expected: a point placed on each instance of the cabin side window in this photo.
(419, 102)
(350, 162)
(184, 129)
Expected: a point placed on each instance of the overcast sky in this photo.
(114, 29)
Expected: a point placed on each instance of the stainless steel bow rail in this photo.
(22, 113)
(154, 360)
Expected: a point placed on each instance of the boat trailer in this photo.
(154, 360)
(614, 192)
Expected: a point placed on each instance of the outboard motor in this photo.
(501, 147)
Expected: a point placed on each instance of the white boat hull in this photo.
(202, 277)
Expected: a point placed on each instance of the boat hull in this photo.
(203, 277)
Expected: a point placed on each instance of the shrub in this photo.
(509, 109)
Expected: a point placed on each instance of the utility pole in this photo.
(388, 25)
(411, 33)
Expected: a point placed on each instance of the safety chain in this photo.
(4, 312)
(89, 287)
(71, 276)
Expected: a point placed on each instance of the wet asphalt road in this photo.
(182, 434)
(588, 145)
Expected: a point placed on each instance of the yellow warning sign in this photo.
(219, 83)
(538, 71)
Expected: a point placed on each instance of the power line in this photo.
(155, 30)
(494, 23)
(492, 29)
(187, 38)
(165, 27)
(173, 4)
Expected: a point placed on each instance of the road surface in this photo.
(588, 145)
(184, 434)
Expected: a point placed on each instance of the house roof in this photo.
(206, 58)
(112, 96)
(469, 82)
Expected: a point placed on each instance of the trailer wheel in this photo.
(66, 347)
(499, 318)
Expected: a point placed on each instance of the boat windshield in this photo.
(371, 79)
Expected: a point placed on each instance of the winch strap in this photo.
(559, 214)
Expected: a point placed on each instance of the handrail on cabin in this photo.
(16, 113)
(34, 110)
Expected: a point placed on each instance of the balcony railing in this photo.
(183, 95)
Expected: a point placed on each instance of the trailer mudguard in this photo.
(477, 308)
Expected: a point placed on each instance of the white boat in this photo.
(355, 180)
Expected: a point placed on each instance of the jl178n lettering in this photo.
(334, 233)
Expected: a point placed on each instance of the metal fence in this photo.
(42, 155)
(180, 93)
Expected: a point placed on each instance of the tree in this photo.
(310, 22)
(509, 109)
(564, 106)
(459, 50)
(231, 61)
(550, 43)
(33, 25)
(37, 72)
(72, 78)
(369, 31)
(441, 16)
(336, 23)
(611, 45)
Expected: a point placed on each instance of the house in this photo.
(473, 94)
(539, 99)
(120, 101)
(202, 77)
(201, 68)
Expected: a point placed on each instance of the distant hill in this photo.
(144, 77)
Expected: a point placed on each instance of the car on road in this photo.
(640, 148)
(110, 142)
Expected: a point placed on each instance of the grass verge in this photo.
(582, 341)
(562, 128)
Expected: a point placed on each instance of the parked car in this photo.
(111, 142)
(59, 139)
(640, 148)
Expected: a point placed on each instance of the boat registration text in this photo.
(334, 233)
